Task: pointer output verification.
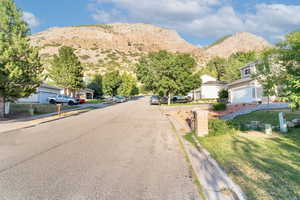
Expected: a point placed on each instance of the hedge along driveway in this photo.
(23, 109)
(266, 167)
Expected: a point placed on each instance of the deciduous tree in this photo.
(266, 73)
(96, 85)
(289, 56)
(111, 83)
(66, 70)
(167, 72)
(127, 86)
(20, 67)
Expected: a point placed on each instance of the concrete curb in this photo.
(216, 184)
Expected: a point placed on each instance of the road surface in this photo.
(123, 152)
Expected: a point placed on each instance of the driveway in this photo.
(125, 151)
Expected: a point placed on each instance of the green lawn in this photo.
(266, 167)
(270, 117)
(95, 101)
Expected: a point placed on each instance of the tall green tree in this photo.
(66, 70)
(96, 84)
(127, 86)
(111, 83)
(20, 67)
(289, 58)
(169, 73)
(266, 73)
(218, 66)
(229, 69)
(236, 61)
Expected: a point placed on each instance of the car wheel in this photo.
(52, 101)
(71, 103)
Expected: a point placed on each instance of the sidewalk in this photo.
(216, 184)
(16, 124)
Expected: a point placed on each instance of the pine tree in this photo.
(20, 66)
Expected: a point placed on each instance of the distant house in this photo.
(209, 89)
(246, 89)
(85, 93)
(41, 95)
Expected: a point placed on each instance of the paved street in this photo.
(126, 151)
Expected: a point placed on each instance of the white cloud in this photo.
(203, 18)
(31, 19)
(273, 19)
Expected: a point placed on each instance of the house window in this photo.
(247, 72)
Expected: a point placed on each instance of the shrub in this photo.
(219, 127)
(223, 96)
(219, 106)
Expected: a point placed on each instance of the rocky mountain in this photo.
(239, 42)
(104, 48)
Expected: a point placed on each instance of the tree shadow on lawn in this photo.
(267, 169)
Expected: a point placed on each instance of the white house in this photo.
(209, 89)
(247, 89)
(41, 95)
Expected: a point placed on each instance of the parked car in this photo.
(81, 101)
(154, 100)
(119, 99)
(63, 99)
(181, 99)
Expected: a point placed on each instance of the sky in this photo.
(200, 22)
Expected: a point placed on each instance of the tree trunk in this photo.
(169, 98)
(2, 107)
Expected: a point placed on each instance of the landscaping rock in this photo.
(268, 129)
(290, 124)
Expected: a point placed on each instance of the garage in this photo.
(243, 95)
(42, 94)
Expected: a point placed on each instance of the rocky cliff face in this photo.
(239, 42)
(118, 46)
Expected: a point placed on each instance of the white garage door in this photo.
(243, 95)
(43, 96)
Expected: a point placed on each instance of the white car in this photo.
(119, 99)
(63, 99)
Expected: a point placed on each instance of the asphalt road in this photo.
(127, 151)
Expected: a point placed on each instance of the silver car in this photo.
(63, 99)
(119, 99)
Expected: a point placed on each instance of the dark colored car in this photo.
(181, 99)
(154, 100)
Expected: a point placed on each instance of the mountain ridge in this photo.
(106, 47)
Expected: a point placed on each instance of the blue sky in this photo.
(198, 21)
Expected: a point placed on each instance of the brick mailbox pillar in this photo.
(201, 122)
